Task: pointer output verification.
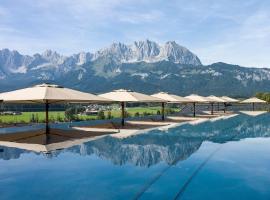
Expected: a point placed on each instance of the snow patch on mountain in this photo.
(142, 75)
(20, 70)
(80, 76)
(118, 70)
(164, 76)
(83, 58)
(2, 75)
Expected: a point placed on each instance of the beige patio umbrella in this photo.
(194, 98)
(49, 94)
(228, 100)
(253, 100)
(123, 96)
(169, 98)
(215, 99)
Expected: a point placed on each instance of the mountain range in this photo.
(144, 66)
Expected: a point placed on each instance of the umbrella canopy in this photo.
(129, 96)
(123, 96)
(216, 99)
(229, 99)
(171, 98)
(253, 100)
(194, 98)
(47, 93)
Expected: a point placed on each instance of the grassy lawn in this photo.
(26, 116)
(54, 115)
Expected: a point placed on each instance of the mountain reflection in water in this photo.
(156, 146)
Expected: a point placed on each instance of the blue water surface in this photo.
(222, 159)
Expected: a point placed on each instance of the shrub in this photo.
(137, 114)
(158, 112)
(70, 113)
(169, 111)
(264, 96)
(109, 115)
(59, 118)
(146, 113)
(32, 118)
(100, 115)
(37, 118)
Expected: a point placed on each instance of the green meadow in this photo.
(26, 117)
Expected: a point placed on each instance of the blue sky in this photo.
(232, 31)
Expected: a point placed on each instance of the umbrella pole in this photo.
(123, 113)
(218, 106)
(162, 110)
(224, 107)
(47, 117)
(212, 108)
(1, 106)
(194, 109)
(253, 106)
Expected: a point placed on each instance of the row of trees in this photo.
(264, 96)
(72, 114)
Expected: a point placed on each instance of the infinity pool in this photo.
(218, 159)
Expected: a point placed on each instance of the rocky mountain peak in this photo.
(50, 54)
(53, 57)
(83, 57)
(13, 61)
(139, 51)
(146, 50)
(179, 54)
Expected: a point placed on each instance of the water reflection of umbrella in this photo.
(169, 98)
(194, 98)
(47, 148)
(49, 94)
(253, 100)
(124, 96)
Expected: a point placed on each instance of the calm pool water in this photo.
(223, 159)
